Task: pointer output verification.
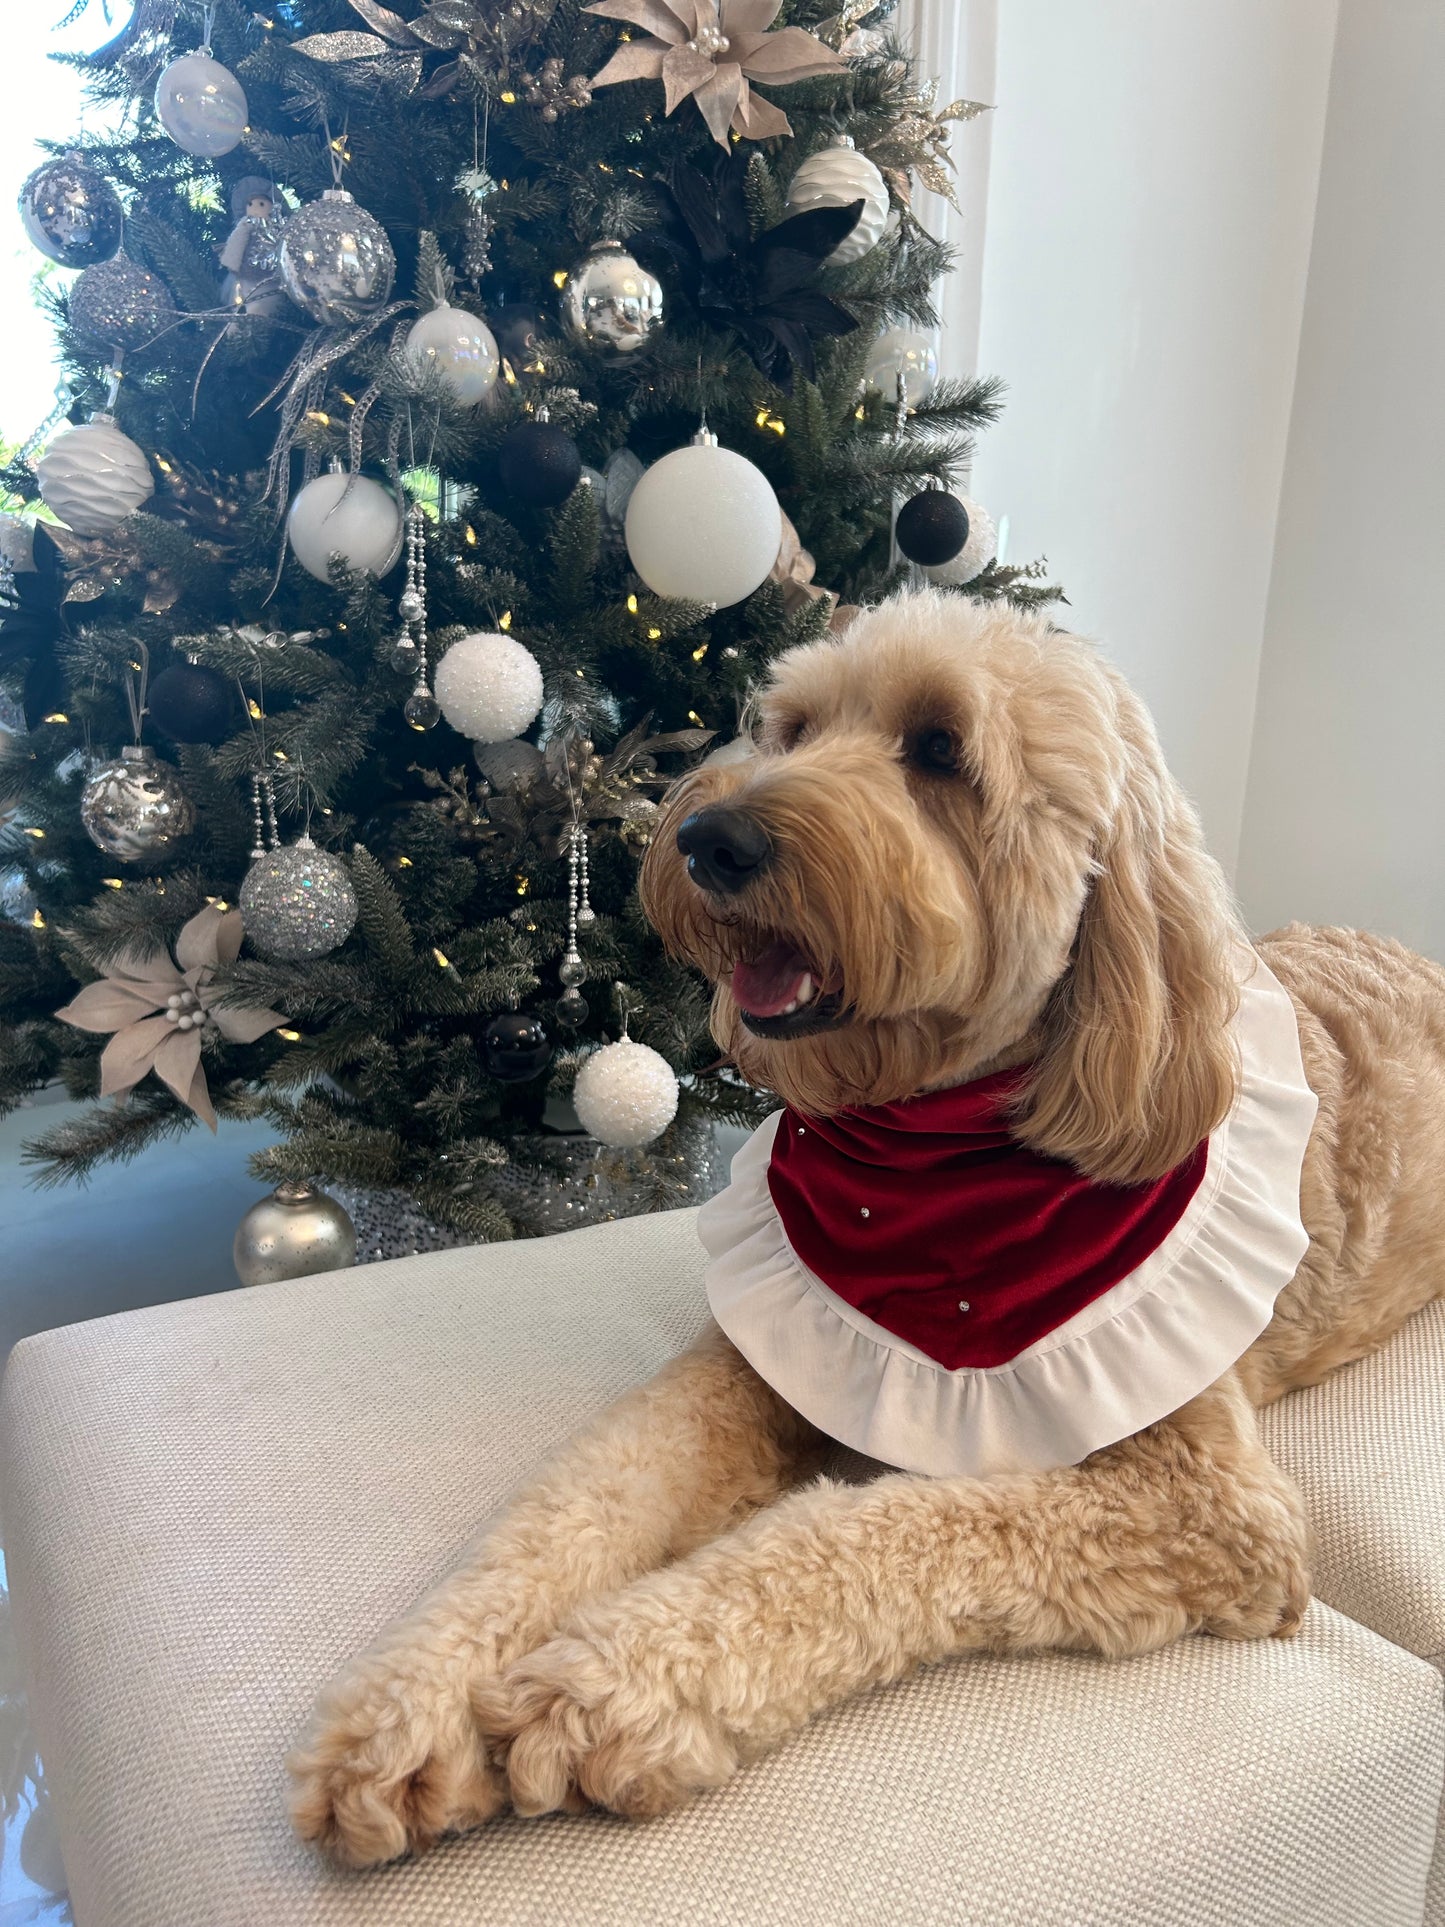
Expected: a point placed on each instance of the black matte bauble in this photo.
(517, 1047)
(932, 527)
(191, 703)
(539, 464)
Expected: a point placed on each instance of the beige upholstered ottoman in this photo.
(209, 1505)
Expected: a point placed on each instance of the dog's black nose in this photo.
(725, 849)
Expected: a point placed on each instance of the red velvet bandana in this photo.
(929, 1219)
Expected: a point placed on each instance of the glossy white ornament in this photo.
(489, 687)
(462, 347)
(201, 104)
(703, 525)
(625, 1095)
(346, 515)
(834, 177)
(92, 476)
(902, 351)
(975, 555)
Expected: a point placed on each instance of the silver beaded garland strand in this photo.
(263, 788)
(421, 708)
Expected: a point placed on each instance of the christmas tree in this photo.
(470, 399)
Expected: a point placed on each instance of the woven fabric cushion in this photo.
(1367, 1448)
(210, 1505)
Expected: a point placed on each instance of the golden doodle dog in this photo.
(953, 883)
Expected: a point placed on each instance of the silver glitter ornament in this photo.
(134, 807)
(612, 301)
(293, 1233)
(71, 212)
(335, 261)
(120, 304)
(297, 903)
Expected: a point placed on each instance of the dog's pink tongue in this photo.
(769, 983)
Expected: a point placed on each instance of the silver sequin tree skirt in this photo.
(556, 1181)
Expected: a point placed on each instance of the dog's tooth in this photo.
(806, 991)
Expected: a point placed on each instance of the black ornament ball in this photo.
(517, 1047)
(932, 527)
(191, 703)
(539, 464)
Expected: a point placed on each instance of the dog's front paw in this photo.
(392, 1760)
(572, 1722)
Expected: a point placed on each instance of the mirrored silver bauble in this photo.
(134, 807)
(297, 903)
(71, 212)
(92, 476)
(120, 304)
(612, 301)
(294, 1233)
(334, 260)
(201, 104)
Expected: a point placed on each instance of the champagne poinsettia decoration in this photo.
(713, 49)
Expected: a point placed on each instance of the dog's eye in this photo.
(934, 750)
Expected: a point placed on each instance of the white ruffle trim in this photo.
(1144, 1348)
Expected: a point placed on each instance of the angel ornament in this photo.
(252, 284)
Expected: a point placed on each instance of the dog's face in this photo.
(889, 891)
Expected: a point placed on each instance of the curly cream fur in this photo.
(677, 1591)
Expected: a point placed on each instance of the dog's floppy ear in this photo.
(1137, 1062)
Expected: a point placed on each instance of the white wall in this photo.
(1150, 198)
(1345, 820)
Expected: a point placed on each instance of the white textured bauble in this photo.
(908, 352)
(201, 105)
(625, 1095)
(975, 555)
(461, 347)
(346, 515)
(489, 687)
(294, 1233)
(93, 477)
(835, 177)
(297, 903)
(703, 525)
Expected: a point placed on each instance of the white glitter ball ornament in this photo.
(908, 352)
(625, 1095)
(489, 687)
(461, 347)
(703, 525)
(201, 105)
(93, 477)
(297, 903)
(975, 555)
(346, 515)
(835, 177)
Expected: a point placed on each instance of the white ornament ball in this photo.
(908, 352)
(93, 477)
(489, 687)
(462, 347)
(201, 105)
(346, 515)
(835, 177)
(975, 555)
(625, 1095)
(703, 525)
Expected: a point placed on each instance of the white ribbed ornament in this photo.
(489, 687)
(625, 1095)
(92, 476)
(975, 555)
(834, 177)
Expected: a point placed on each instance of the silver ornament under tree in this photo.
(293, 1233)
(335, 261)
(612, 301)
(134, 808)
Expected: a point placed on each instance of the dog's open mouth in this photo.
(781, 993)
